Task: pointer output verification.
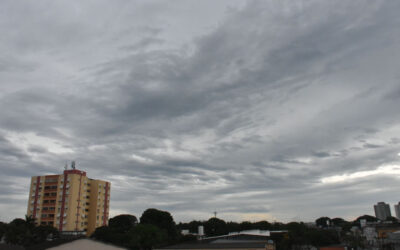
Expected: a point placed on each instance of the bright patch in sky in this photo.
(382, 170)
(26, 140)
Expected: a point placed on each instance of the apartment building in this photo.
(382, 210)
(71, 202)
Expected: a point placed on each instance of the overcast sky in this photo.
(275, 110)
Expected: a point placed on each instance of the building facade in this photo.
(382, 210)
(397, 210)
(71, 201)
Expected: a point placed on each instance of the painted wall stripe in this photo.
(36, 197)
(105, 206)
(63, 202)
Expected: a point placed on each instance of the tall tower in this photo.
(71, 202)
(397, 210)
(382, 210)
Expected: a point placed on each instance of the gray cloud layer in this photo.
(268, 110)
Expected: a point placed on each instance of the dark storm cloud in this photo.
(275, 112)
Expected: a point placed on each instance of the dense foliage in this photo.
(25, 233)
(157, 228)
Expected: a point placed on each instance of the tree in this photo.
(41, 233)
(392, 219)
(233, 226)
(18, 233)
(338, 222)
(366, 217)
(30, 222)
(161, 219)
(3, 228)
(146, 236)
(263, 225)
(215, 226)
(246, 225)
(320, 237)
(323, 222)
(122, 222)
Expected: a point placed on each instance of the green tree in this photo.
(246, 225)
(123, 222)
(146, 236)
(215, 226)
(321, 237)
(41, 233)
(263, 225)
(323, 222)
(161, 219)
(233, 226)
(18, 233)
(338, 222)
(3, 228)
(111, 235)
(366, 217)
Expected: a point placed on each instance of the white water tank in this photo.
(200, 230)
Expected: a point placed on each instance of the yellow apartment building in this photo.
(71, 202)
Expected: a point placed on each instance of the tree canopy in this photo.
(123, 222)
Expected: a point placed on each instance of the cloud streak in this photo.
(279, 110)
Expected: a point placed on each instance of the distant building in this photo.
(382, 210)
(70, 202)
(397, 210)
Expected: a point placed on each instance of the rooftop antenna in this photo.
(73, 164)
(66, 166)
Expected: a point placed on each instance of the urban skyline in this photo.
(259, 110)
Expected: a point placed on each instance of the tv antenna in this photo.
(73, 164)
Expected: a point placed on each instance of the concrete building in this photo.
(397, 210)
(382, 210)
(71, 202)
